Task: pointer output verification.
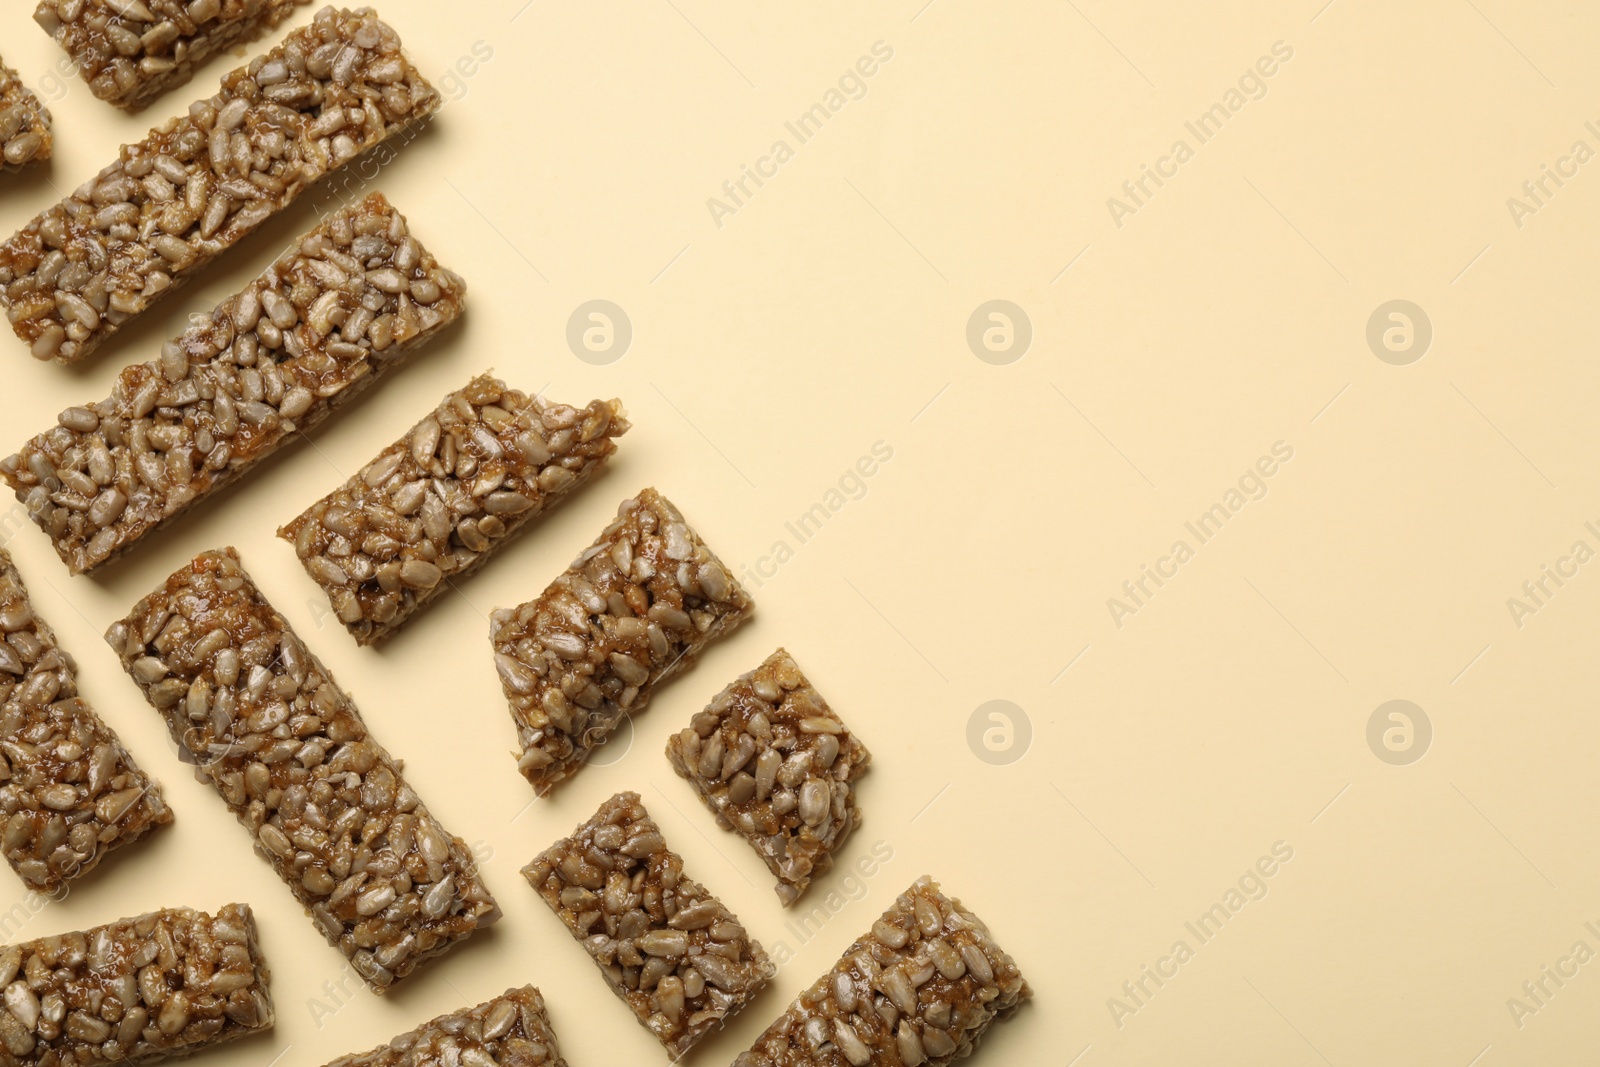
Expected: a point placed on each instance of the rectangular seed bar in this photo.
(132, 51)
(673, 952)
(350, 301)
(920, 988)
(69, 791)
(196, 186)
(437, 503)
(773, 762)
(635, 608)
(512, 1030)
(24, 123)
(168, 983)
(269, 728)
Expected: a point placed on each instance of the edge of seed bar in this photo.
(768, 789)
(299, 721)
(578, 878)
(82, 797)
(25, 135)
(135, 989)
(476, 486)
(921, 987)
(155, 240)
(655, 584)
(128, 60)
(92, 517)
(512, 1029)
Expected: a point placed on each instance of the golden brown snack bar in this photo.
(512, 1030)
(327, 806)
(669, 949)
(131, 51)
(634, 609)
(920, 988)
(70, 792)
(24, 123)
(774, 763)
(164, 984)
(436, 504)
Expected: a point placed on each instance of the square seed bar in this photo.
(773, 762)
(198, 185)
(132, 51)
(348, 303)
(437, 503)
(635, 608)
(269, 728)
(673, 952)
(920, 988)
(69, 791)
(512, 1030)
(24, 123)
(168, 983)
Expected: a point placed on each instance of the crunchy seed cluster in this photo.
(349, 302)
(672, 951)
(512, 1030)
(635, 608)
(132, 51)
(437, 503)
(270, 729)
(168, 983)
(773, 762)
(24, 123)
(69, 791)
(920, 988)
(199, 184)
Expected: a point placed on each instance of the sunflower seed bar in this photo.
(168, 983)
(673, 952)
(635, 608)
(196, 186)
(350, 301)
(511, 1030)
(437, 503)
(773, 762)
(270, 729)
(24, 123)
(132, 51)
(920, 988)
(69, 791)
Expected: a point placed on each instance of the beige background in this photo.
(828, 313)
